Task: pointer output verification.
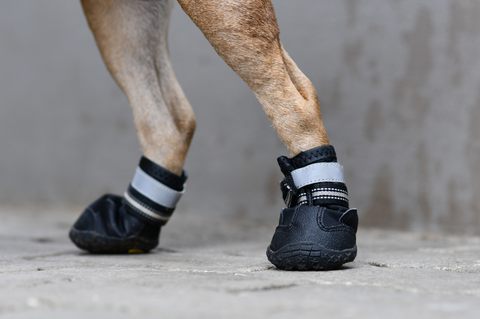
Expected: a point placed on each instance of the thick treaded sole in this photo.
(309, 256)
(101, 244)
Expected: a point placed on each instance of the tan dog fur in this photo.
(132, 37)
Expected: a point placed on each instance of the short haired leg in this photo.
(246, 35)
(132, 38)
(317, 229)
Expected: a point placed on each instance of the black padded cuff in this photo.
(163, 175)
(319, 154)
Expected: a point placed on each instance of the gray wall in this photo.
(398, 82)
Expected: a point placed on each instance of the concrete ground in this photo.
(214, 269)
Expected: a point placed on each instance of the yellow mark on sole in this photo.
(135, 251)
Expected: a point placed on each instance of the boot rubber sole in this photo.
(309, 256)
(98, 243)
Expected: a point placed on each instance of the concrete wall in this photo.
(398, 82)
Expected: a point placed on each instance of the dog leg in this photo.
(246, 35)
(317, 230)
(132, 38)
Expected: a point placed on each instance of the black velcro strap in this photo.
(323, 194)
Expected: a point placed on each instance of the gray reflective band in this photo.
(154, 190)
(318, 173)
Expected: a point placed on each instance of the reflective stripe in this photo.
(143, 209)
(154, 190)
(325, 195)
(317, 173)
(329, 193)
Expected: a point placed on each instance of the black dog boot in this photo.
(130, 224)
(317, 229)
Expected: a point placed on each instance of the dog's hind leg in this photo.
(132, 38)
(317, 230)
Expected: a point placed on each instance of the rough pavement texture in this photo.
(218, 269)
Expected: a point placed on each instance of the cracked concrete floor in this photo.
(218, 269)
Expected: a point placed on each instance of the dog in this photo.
(317, 229)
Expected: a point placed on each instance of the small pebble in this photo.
(40, 269)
